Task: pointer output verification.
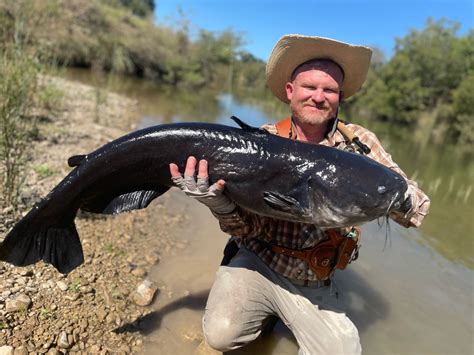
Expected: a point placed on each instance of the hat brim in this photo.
(293, 50)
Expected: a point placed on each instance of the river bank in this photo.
(90, 309)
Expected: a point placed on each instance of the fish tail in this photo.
(34, 239)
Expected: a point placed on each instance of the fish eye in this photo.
(381, 189)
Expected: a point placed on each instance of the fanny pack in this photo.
(334, 253)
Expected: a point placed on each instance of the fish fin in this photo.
(75, 160)
(126, 202)
(29, 242)
(283, 203)
(247, 127)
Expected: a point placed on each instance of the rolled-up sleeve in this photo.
(420, 202)
(241, 224)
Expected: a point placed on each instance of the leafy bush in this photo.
(427, 83)
(17, 86)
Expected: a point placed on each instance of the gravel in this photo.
(98, 307)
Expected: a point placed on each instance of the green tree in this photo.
(425, 84)
(463, 111)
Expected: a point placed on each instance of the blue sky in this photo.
(365, 22)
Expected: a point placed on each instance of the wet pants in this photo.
(246, 292)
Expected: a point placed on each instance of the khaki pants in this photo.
(247, 291)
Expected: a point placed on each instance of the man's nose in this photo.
(318, 96)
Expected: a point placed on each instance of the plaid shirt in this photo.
(248, 227)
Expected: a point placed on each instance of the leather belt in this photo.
(335, 252)
(313, 284)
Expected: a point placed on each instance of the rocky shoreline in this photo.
(99, 306)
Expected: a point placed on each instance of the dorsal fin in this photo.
(75, 160)
(247, 127)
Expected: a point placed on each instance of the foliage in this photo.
(50, 97)
(140, 8)
(109, 36)
(17, 86)
(463, 110)
(43, 171)
(22, 98)
(425, 85)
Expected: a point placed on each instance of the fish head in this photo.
(353, 194)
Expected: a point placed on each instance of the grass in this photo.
(74, 286)
(112, 249)
(43, 171)
(50, 97)
(17, 86)
(47, 313)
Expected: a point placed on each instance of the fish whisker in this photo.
(387, 222)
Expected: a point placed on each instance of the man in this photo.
(312, 75)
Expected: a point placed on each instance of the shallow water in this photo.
(412, 294)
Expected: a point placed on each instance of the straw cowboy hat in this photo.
(293, 50)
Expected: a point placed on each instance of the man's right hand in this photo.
(212, 196)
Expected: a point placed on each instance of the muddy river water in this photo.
(409, 294)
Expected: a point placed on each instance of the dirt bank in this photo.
(92, 309)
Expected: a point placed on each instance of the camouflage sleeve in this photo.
(420, 201)
(241, 223)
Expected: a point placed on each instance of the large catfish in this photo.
(264, 173)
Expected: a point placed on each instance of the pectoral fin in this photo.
(283, 203)
(123, 203)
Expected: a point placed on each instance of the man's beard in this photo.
(313, 118)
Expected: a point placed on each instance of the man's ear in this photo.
(289, 90)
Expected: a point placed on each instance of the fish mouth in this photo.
(395, 203)
(399, 203)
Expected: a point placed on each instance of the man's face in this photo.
(314, 92)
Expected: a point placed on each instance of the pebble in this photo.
(63, 340)
(86, 289)
(20, 351)
(94, 349)
(62, 285)
(110, 318)
(7, 210)
(139, 272)
(72, 296)
(21, 281)
(101, 314)
(6, 350)
(152, 258)
(26, 272)
(21, 302)
(144, 293)
(47, 285)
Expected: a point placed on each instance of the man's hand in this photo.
(212, 196)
